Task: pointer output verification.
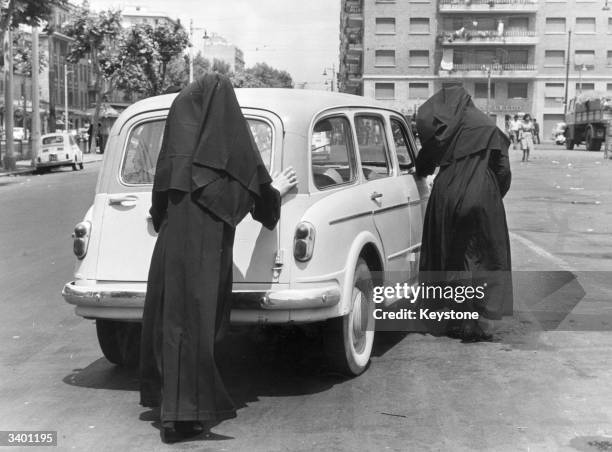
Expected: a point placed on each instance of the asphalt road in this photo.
(543, 385)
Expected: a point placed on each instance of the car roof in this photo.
(295, 107)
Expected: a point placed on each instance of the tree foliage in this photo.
(26, 12)
(22, 56)
(145, 53)
(263, 75)
(96, 38)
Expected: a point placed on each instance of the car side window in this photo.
(332, 154)
(373, 149)
(402, 144)
(262, 135)
(140, 158)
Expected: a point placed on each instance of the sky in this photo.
(300, 37)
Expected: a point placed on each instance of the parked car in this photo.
(59, 149)
(354, 220)
(558, 133)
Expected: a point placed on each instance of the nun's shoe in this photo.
(181, 430)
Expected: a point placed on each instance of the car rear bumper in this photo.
(118, 302)
(54, 163)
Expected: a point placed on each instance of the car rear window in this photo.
(53, 140)
(144, 144)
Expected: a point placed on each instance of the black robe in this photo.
(209, 175)
(465, 234)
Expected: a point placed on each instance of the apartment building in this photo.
(511, 55)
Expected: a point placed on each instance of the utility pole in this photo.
(35, 137)
(9, 158)
(66, 98)
(567, 68)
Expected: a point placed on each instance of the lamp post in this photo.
(567, 67)
(66, 71)
(191, 30)
(333, 69)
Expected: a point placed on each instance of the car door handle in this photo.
(375, 195)
(123, 200)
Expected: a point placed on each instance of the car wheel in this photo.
(119, 341)
(74, 165)
(350, 337)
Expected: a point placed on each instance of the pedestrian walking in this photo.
(465, 234)
(515, 127)
(526, 136)
(536, 131)
(209, 175)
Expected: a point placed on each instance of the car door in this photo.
(390, 206)
(413, 189)
(127, 236)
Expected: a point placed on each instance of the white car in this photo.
(59, 149)
(354, 221)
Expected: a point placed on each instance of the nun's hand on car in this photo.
(285, 181)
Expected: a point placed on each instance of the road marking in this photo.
(542, 252)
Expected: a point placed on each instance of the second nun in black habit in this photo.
(465, 234)
(209, 175)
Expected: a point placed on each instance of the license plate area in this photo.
(52, 158)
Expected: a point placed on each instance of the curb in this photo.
(17, 172)
(29, 170)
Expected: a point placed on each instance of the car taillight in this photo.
(303, 241)
(67, 156)
(81, 239)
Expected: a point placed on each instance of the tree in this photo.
(22, 57)
(262, 75)
(95, 37)
(27, 12)
(222, 67)
(178, 69)
(12, 14)
(145, 53)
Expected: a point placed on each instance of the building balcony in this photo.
(355, 50)
(487, 37)
(353, 69)
(475, 70)
(483, 6)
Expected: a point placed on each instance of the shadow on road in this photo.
(255, 362)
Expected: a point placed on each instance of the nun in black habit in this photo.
(209, 175)
(465, 234)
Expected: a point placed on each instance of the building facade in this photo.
(215, 47)
(511, 55)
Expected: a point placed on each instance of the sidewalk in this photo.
(24, 166)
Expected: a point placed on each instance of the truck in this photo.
(589, 121)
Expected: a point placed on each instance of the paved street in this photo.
(543, 385)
